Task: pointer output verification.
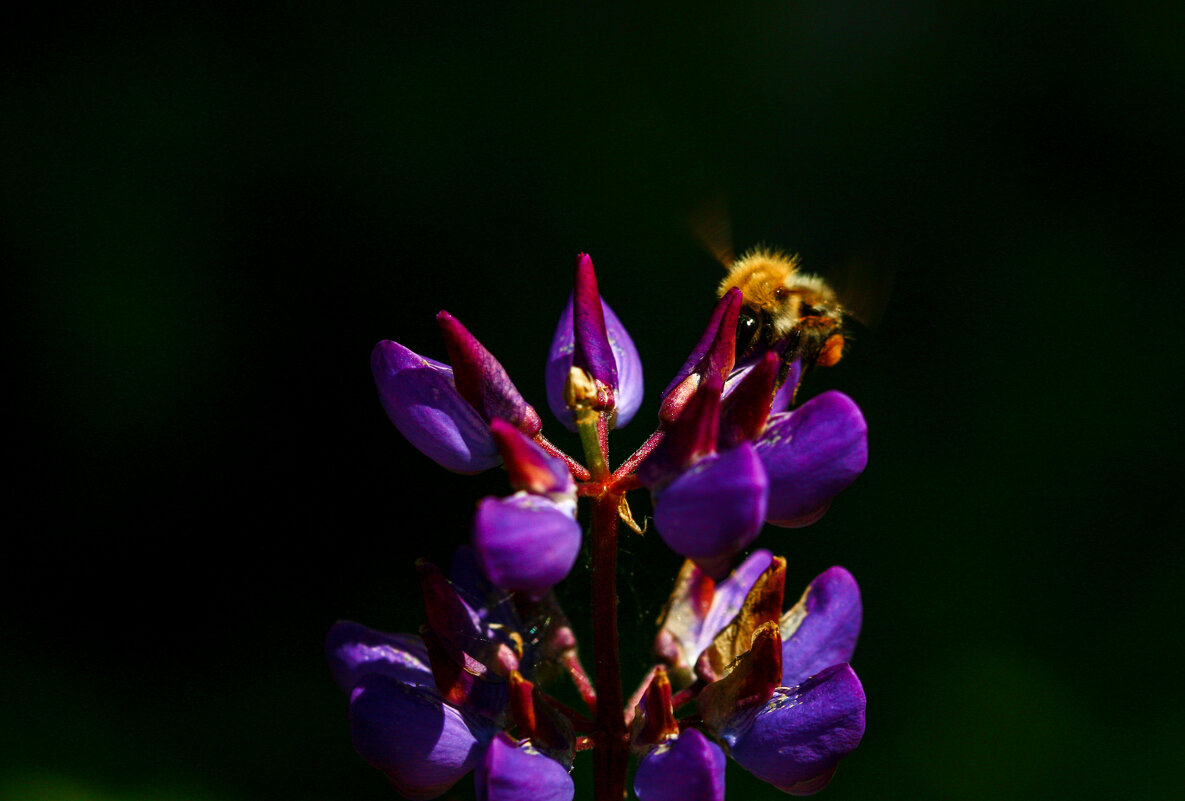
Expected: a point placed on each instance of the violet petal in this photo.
(689, 768)
(525, 543)
(420, 398)
(796, 739)
(811, 454)
(627, 393)
(715, 509)
(821, 629)
(422, 744)
(725, 311)
(511, 772)
(353, 651)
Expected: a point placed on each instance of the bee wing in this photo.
(863, 284)
(712, 228)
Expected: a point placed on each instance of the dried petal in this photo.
(699, 609)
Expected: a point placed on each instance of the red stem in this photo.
(611, 749)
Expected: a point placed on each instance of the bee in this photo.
(784, 308)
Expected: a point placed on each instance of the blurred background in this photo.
(209, 217)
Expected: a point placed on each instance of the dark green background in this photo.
(209, 217)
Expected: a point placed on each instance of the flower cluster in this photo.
(732, 452)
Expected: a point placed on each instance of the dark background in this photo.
(208, 218)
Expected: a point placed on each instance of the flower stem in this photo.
(611, 749)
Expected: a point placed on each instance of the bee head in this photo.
(750, 323)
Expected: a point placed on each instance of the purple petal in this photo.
(691, 436)
(592, 352)
(811, 454)
(482, 380)
(525, 543)
(510, 772)
(354, 651)
(422, 744)
(822, 628)
(713, 343)
(420, 399)
(689, 768)
(795, 741)
(715, 509)
(628, 392)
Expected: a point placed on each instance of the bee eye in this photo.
(748, 329)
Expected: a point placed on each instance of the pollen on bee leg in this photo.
(831, 352)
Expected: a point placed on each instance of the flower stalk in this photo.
(469, 693)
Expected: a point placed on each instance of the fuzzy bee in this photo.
(784, 305)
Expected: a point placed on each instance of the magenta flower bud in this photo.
(745, 409)
(687, 768)
(714, 354)
(528, 466)
(811, 454)
(422, 401)
(526, 543)
(688, 439)
(592, 352)
(597, 343)
(481, 379)
(509, 771)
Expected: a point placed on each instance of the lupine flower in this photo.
(467, 693)
(528, 541)
(604, 348)
(790, 707)
(726, 464)
(445, 411)
(425, 709)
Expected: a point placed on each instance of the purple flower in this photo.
(591, 337)
(529, 541)
(791, 707)
(399, 722)
(689, 767)
(425, 710)
(726, 465)
(419, 396)
(444, 411)
(511, 771)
